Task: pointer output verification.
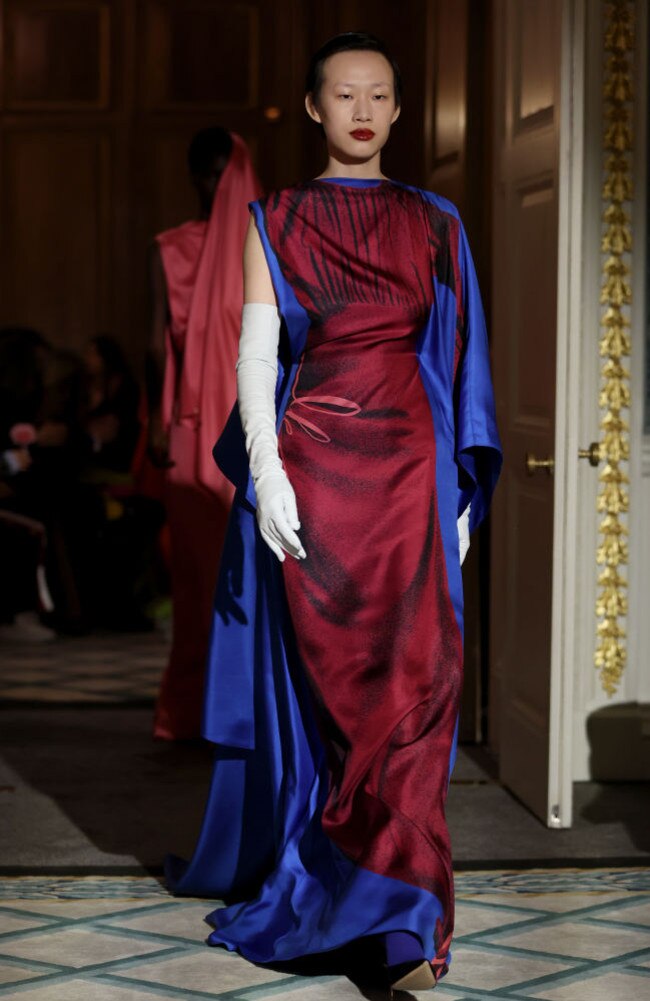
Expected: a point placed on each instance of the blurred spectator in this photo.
(111, 418)
(70, 514)
(40, 387)
(22, 360)
(23, 586)
(125, 580)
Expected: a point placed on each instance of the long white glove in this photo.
(257, 372)
(463, 533)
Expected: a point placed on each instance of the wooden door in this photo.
(532, 552)
(458, 111)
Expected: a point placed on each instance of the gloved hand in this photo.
(277, 515)
(257, 371)
(463, 533)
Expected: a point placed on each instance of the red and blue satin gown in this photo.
(370, 606)
(356, 671)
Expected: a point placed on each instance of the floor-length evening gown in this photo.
(192, 511)
(202, 266)
(334, 685)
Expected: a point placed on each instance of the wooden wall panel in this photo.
(200, 54)
(524, 317)
(98, 102)
(533, 360)
(56, 55)
(215, 55)
(446, 99)
(202, 62)
(536, 28)
(449, 84)
(457, 113)
(56, 273)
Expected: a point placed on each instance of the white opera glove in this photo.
(257, 372)
(463, 533)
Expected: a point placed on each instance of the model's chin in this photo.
(356, 150)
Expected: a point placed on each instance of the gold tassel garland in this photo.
(615, 343)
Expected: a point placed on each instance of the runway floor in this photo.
(559, 935)
(89, 804)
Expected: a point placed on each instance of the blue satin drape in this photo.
(261, 840)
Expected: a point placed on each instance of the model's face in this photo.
(355, 105)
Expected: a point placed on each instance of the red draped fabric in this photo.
(202, 262)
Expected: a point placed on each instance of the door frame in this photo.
(568, 612)
(636, 685)
(588, 694)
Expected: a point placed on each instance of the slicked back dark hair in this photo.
(349, 41)
(203, 148)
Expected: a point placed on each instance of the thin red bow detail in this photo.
(335, 406)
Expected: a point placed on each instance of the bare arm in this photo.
(155, 358)
(158, 320)
(258, 286)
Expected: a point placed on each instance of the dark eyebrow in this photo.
(342, 83)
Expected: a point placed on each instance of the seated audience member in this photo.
(125, 579)
(23, 585)
(40, 387)
(111, 405)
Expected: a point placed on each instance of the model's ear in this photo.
(396, 114)
(312, 110)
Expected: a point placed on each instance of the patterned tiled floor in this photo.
(562, 935)
(96, 669)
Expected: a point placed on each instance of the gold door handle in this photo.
(533, 464)
(592, 453)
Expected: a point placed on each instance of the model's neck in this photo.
(344, 167)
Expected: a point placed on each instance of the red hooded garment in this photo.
(202, 262)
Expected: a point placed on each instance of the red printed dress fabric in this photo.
(203, 276)
(370, 606)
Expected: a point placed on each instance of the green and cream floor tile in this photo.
(557, 935)
(100, 669)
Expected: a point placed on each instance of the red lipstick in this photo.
(363, 134)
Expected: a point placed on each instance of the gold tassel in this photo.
(615, 343)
